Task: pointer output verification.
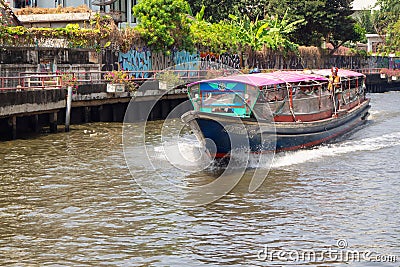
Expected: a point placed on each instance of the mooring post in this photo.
(53, 122)
(35, 122)
(14, 127)
(100, 112)
(114, 110)
(87, 117)
(68, 111)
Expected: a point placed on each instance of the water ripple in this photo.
(68, 199)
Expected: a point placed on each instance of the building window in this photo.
(22, 3)
(120, 7)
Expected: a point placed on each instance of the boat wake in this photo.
(367, 144)
(186, 154)
(190, 155)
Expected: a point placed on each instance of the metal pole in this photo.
(68, 111)
(129, 12)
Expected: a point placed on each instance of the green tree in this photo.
(216, 37)
(385, 20)
(164, 24)
(339, 26)
(365, 19)
(217, 10)
(328, 20)
(361, 33)
(393, 38)
(270, 32)
(387, 14)
(324, 20)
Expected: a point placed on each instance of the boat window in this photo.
(275, 93)
(194, 94)
(227, 98)
(233, 98)
(307, 90)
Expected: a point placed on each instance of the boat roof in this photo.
(341, 73)
(279, 77)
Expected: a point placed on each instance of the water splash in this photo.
(351, 146)
(186, 154)
(189, 148)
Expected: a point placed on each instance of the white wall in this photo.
(54, 3)
(364, 4)
(46, 3)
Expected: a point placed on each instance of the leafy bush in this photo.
(216, 37)
(73, 35)
(164, 24)
(269, 32)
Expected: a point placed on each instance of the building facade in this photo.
(120, 9)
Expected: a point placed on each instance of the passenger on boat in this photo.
(334, 79)
(335, 87)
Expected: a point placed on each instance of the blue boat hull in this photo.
(220, 134)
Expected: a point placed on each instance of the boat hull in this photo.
(221, 134)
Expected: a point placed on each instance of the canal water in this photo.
(69, 199)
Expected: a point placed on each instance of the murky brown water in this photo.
(68, 199)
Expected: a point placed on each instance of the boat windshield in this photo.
(230, 98)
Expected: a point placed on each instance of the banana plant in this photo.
(270, 32)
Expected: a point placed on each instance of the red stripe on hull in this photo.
(320, 141)
(304, 118)
(310, 144)
(220, 155)
(350, 105)
(306, 145)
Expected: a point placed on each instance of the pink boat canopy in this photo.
(341, 73)
(279, 77)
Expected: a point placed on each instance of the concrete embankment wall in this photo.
(36, 111)
(30, 101)
(29, 110)
(376, 84)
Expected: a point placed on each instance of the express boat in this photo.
(277, 111)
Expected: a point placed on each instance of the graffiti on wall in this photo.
(225, 59)
(394, 63)
(185, 60)
(378, 62)
(231, 60)
(139, 62)
(160, 61)
(347, 62)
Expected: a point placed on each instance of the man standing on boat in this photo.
(334, 79)
(334, 87)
